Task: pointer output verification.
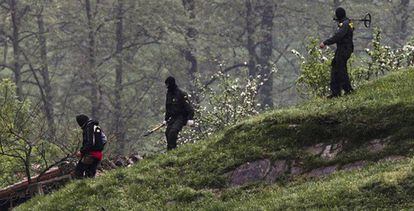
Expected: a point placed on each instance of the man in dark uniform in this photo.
(345, 47)
(179, 112)
(90, 154)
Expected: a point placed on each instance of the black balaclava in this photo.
(82, 119)
(170, 82)
(340, 13)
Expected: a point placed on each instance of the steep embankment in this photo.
(282, 159)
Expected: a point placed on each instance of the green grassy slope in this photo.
(194, 176)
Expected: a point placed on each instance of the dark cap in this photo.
(170, 82)
(340, 13)
(82, 119)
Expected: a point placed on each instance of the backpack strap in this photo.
(96, 128)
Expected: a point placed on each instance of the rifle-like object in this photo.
(367, 20)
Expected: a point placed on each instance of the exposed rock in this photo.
(354, 166)
(296, 168)
(331, 151)
(377, 145)
(279, 168)
(316, 149)
(263, 170)
(250, 172)
(323, 171)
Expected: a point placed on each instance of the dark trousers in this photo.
(174, 127)
(86, 167)
(339, 73)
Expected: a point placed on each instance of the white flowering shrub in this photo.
(408, 50)
(383, 59)
(315, 70)
(227, 102)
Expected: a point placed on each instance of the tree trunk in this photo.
(92, 61)
(47, 98)
(250, 28)
(15, 21)
(118, 125)
(27, 171)
(27, 163)
(189, 52)
(265, 69)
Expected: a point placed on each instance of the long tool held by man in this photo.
(149, 132)
(367, 20)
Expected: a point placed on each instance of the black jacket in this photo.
(343, 36)
(88, 136)
(177, 105)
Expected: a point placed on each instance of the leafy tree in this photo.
(23, 144)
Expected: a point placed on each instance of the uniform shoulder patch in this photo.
(351, 25)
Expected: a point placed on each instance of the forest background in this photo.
(109, 59)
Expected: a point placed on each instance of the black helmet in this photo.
(340, 13)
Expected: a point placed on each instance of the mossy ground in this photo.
(193, 177)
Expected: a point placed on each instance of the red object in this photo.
(96, 154)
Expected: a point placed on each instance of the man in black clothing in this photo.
(179, 112)
(345, 46)
(89, 154)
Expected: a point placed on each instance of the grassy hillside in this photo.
(196, 175)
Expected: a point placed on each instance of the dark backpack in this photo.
(188, 107)
(99, 138)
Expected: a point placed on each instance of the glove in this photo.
(190, 122)
(164, 122)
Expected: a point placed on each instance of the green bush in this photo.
(315, 70)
